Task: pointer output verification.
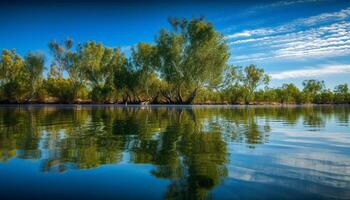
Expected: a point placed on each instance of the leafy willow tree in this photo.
(341, 93)
(59, 87)
(20, 78)
(99, 64)
(144, 62)
(192, 55)
(311, 89)
(231, 86)
(67, 60)
(126, 80)
(34, 65)
(253, 77)
(288, 93)
(12, 69)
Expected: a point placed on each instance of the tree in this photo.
(57, 86)
(144, 61)
(341, 93)
(312, 88)
(252, 78)
(13, 77)
(192, 55)
(34, 64)
(325, 97)
(67, 60)
(288, 93)
(99, 64)
(126, 80)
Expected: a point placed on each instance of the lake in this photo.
(174, 152)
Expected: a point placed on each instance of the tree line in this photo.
(186, 64)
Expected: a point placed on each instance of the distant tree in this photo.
(341, 93)
(326, 96)
(312, 88)
(341, 89)
(288, 93)
(252, 78)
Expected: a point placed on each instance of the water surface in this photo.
(174, 152)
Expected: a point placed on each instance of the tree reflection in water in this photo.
(186, 145)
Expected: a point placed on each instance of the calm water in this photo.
(111, 152)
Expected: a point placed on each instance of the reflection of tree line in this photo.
(187, 146)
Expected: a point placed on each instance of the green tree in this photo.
(99, 64)
(34, 64)
(312, 88)
(253, 77)
(127, 81)
(13, 77)
(65, 59)
(144, 61)
(341, 93)
(288, 93)
(192, 55)
(59, 87)
(325, 97)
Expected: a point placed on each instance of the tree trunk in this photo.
(155, 99)
(179, 96)
(192, 96)
(167, 97)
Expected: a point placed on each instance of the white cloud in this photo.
(263, 7)
(312, 72)
(325, 17)
(249, 33)
(288, 3)
(325, 41)
(242, 34)
(294, 25)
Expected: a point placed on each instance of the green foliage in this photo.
(288, 93)
(311, 89)
(326, 97)
(191, 56)
(68, 61)
(34, 64)
(60, 88)
(20, 78)
(242, 84)
(144, 62)
(252, 78)
(341, 94)
(98, 65)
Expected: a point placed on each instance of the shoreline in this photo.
(162, 105)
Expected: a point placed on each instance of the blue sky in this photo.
(292, 40)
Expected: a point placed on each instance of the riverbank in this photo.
(167, 104)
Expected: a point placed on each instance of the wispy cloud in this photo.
(263, 7)
(312, 72)
(325, 41)
(301, 38)
(325, 17)
(287, 3)
(294, 25)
